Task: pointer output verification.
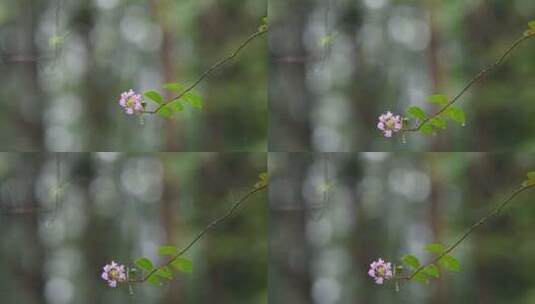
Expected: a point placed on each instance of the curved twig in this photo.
(210, 70)
(207, 229)
(484, 72)
(469, 231)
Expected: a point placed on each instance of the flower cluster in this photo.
(380, 271)
(389, 123)
(114, 273)
(131, 102)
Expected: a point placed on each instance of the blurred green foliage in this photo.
(64, 64)
(386, 205)
(122, 206)
(389, 55)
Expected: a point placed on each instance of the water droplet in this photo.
(463, 125)
(141, 119)
(403, 138)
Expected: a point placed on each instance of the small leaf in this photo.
(431, 270)
(427, 129)
(170, 108)
(438, 122)
(194, 100)
(164, 272)
(421, 278)
(450, 263)
(531, 175)
(528, 183)
(144, 263)
(154, 280)
(416, 112)
(457, 114)
(167, 250)
(531, 25)
(435, 248)
(411, 260)
(263, 180)
(174, 86)
(264, 25)
(154, 96)
(183, 265)
(165, 113)
(438, 99)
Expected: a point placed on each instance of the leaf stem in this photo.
(469, 231)
(206, 73)
(482, 74)
(207, 229)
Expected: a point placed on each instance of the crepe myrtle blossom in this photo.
(380, 271)
(389, 123)
(131, 102)
(113, 273)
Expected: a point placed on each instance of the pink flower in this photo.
(113, 273)
(389, 123)
(380, 271)
(131, 102)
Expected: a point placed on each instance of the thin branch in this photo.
(469, 231)
(207, 229)
(210, 70)
(482, 74)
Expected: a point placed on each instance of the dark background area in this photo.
(336, 65)
(382, 205)
(124, 206)
(64, 64)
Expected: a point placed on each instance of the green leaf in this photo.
(170, 109)
(411, 260)
(167, 250)
(263, 180)
(416, 112)
(174, 86)
(531, 175)
(438, 99)
(264, 24)
(164, 272)
(194, 100)
(421, 278)
(528, 183)
(154, 280)
(144, 263)
(438, 122)
(427, 129)
(531, 25)
(431, 270)
(154, 96)
(450, 263)
(183, 264)
(457, 114)
(435, 248)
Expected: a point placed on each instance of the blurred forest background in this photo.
(63, 65)
(123, 206)
(382, 205)
(336, 65)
